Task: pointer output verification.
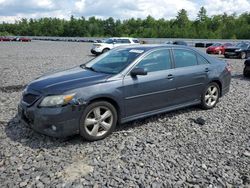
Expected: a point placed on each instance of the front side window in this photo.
(184, 58)
(156, 61)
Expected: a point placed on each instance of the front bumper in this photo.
(96, 51)
(56, 122)
(232, 54)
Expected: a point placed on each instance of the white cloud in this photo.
(11, 10)
(45, 3)
(228, 6)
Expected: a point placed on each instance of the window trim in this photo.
(194, 52)
(148, 53)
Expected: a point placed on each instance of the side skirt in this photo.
(159, 111)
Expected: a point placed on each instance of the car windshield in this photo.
(216, 44)
(109, 41)
(113, 61)
(242, 45)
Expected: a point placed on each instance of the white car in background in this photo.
(108, 44)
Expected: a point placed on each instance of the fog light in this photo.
(53, 127)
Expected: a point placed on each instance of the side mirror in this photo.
(138, 71)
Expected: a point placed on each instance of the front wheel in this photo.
(243, 55)
(210, 96)
(98, 121)
(105, 50)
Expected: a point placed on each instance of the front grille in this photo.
(30, 98)
(230, 50)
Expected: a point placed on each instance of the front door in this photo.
(153, 91)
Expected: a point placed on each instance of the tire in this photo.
(98, 121)
(226, 56)
(210, 97)
(105, 50)
(246, 73)
(243, 55)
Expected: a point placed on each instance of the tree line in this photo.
(222, 26)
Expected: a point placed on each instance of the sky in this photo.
(11, 10)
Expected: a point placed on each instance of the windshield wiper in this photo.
(89, 68)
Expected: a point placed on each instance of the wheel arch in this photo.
(111, 101)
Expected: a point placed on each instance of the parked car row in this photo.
(18, 39)
(67, 39)
(240, 50)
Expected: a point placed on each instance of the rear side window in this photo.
(201, 60)
(136, 41)
(184, 58)
(125, 41)
(156, 61)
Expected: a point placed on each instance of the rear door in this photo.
(191, 75)
(152, 91)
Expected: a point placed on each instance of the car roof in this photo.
(122, 38)
(147, 47)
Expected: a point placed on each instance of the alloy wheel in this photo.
(211, 96)
(98, 121)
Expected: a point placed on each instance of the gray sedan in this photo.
(122, 85)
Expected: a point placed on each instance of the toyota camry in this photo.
(122, 85)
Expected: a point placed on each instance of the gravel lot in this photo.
(168, 150)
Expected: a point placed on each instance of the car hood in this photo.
(213, 47)
(67, 80)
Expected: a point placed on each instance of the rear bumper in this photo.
(55, 122)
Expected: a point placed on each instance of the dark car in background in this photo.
(240, 50)
(246, 71)
(121, 85)
(179, 42)
(217, 48)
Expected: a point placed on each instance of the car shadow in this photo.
(20, 133)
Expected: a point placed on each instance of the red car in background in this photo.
(5, 39)
(22, 39)
(218, 48)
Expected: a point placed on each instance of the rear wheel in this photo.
(210, 96)
(98, 121)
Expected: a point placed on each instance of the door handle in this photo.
(206, 69)
(170, 77)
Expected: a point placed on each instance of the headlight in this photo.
(56, 100)
(238, 50)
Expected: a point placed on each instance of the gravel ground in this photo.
(168, 150)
